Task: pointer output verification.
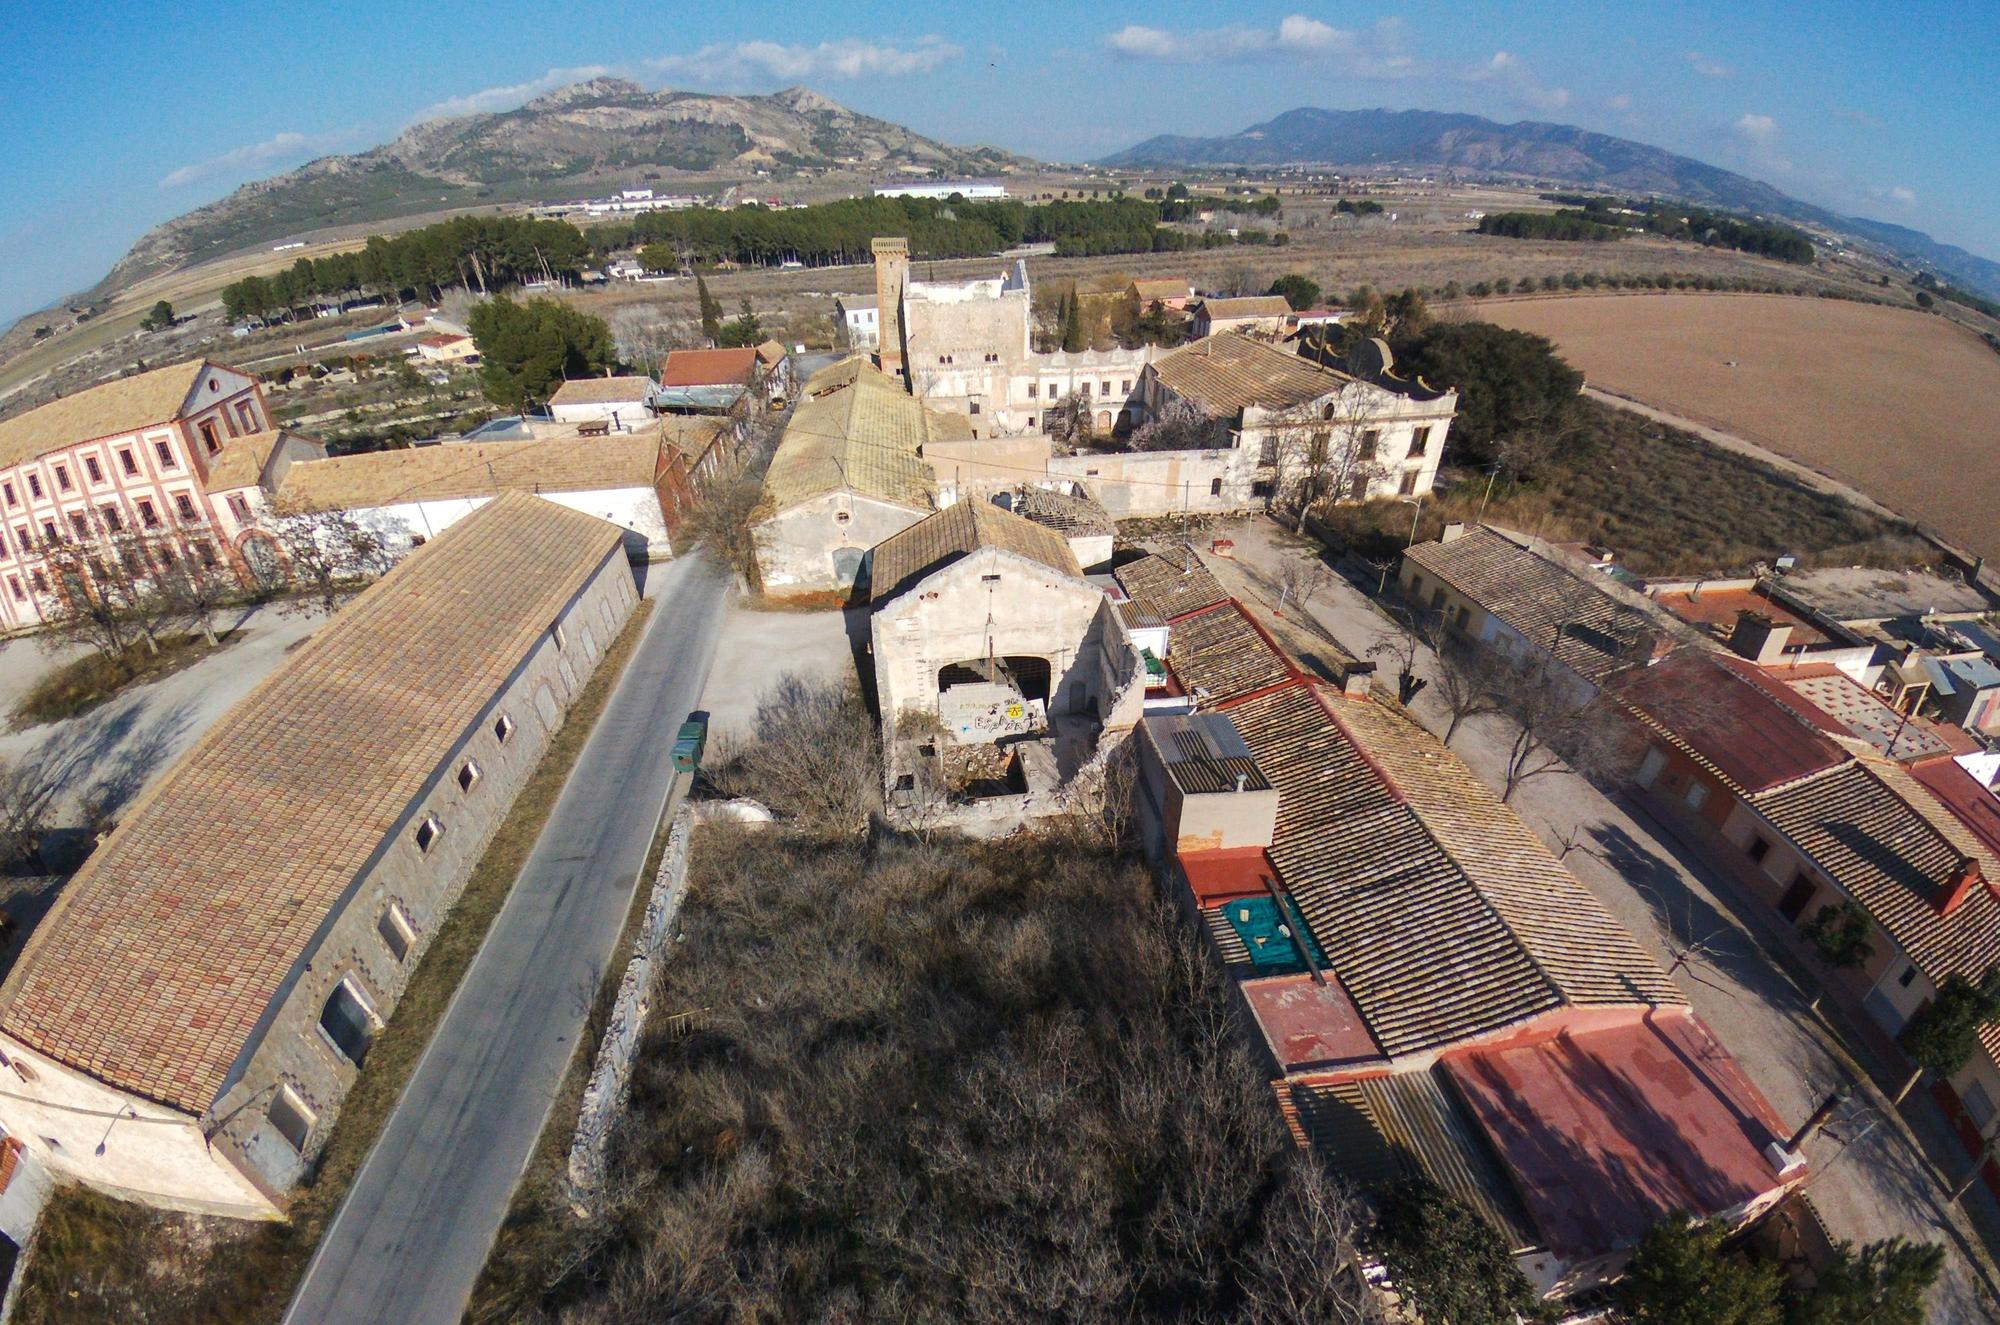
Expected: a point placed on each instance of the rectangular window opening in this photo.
(292, 1118)
(398, 934)
(428, 832)
(468, 774)
(503, 727)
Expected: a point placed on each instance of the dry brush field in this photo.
(1897, 403)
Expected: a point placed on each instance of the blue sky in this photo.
(123, 114)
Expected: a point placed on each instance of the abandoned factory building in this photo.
(849, 472)
(212, 978)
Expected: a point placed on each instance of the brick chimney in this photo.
(1964, 876)
(1355, 681)
(892, 272)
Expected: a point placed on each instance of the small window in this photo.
(1697, 795)
(209, 438)
(184, 505)
(49, 532)
(1125, 387)
(1106, 391)
(1420, 442)
(428, 832)
(13, 500)
(80, 523)
(247, 413)
(468, 774)
(1370, 439)
(206, 551)
(972, 407)
(34, 485)
(40, 581)
(93, 469)
(349, 1022)
(503, 727)
(147, 515)
(556, 634)
(1408, 484)
(14, 584)
(1907, 978)
(1033, 388)
(292, 1118)
(62, 479)
(166, 455)
(1759, 848)
(127, 463)
(398, 935)
(239, 507)
(1215, 487)
(989, 579)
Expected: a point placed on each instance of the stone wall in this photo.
(610, 1078)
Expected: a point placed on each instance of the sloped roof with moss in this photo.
(854, 427)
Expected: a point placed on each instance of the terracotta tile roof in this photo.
(855, 428)
(1160, 287)
(1964, 798)
(691, 434)
(473, 469)
(708, 367)
(1064, 512)
(101, 411)
(163, 953)
(1256, 305)
(1893, 846)
(937, 540)
(602, 390)
(1225, 373)
(240, 463)
(1580, 621)
(1219, 656)
(1378, 1130)
(1731, 719)
(1170, 586)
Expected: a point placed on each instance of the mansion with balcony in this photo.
(179, 455)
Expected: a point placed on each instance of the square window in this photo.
(428, 832)
(165, 453)
(398, 935)
(468, 774)
(292, 1118)
(503, 727)
(1759, 848)
(92, 468)
(127, 463)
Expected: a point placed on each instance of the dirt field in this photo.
(1899, 404)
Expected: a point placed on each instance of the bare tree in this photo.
(1403, 648)
(1068, 423)
(25, 793)
(1299, 579)
(814, 757)
(1556, 729)
(645, 333)
(1181, 425)
(194, 587)
(1466, 678)
(1332, 453)
(327, 552)
(107, 597)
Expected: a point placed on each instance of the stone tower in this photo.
(892, 270)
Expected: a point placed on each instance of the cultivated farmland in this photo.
(1899, 404)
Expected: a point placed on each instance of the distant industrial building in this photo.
(972, 190)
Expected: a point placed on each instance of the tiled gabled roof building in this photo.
(1435, 992)
(218, 967)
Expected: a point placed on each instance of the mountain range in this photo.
(611, 132)
(1559, 154)
(602, 134)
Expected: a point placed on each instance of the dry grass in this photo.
(1666, 501)
(76, 687)
(96, 1259)
(1897, 404)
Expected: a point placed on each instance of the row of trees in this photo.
(482, 253)
(1698, 225)
(1567, 225)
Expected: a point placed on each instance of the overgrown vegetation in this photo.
(96, 1259)
(528, 350)
(1449, 1263)
(898, 1080)
(1685, 1272)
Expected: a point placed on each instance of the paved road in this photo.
(1871, 1178)
(408, 1243)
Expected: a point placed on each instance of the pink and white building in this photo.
(182, 454)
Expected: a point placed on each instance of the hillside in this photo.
(593, 135)
(1529, 150)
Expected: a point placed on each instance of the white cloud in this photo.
(509, 96)
(278, 147)
(1619, 102)
(1896, 194)
(1506, 71)
(1757, 128)
(1296, 38)
(848, 58)
(1708, 68)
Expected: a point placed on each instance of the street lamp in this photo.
(1416, 504)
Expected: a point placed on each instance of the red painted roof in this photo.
(1752, 729)
(1717, 609)
(708, 367)
(1215, 876)
(1971, 804)
(1309, 1025)
(1607, 1131)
